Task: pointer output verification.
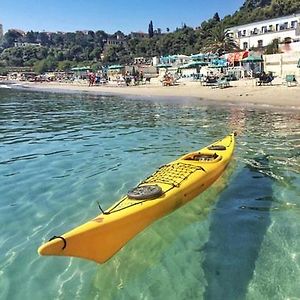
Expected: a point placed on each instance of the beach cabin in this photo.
(115, 72)
(81, 72)
(162, 69)
(235, 65)
(253, 64)
(175, 60)
(191, 71)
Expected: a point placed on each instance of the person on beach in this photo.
(92, 78)
(141, 76)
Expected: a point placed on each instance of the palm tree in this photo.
(220, 41)
(273, 47)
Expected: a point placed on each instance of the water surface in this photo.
(60, 154)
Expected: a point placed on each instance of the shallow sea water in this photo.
(61, 153)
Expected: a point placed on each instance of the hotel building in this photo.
(260, 34)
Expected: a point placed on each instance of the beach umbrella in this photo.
(81, 68)
(218, 63)
(113, 67)
(199, 56)
(193, 64)
(214, 66)
(252, 58)
(164, 66)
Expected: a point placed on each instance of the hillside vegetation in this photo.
(61, 51)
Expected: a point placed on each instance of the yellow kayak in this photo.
(170, 187)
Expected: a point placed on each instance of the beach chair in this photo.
(223, 83)
(264, 79)
(290, 80)
(211, 81)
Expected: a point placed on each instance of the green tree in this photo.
(150, 30)
(216, 17)
(44, 39)
(10, 37)
(45, 65)
(76, 52)
(273, 47)
(64, 65)
(220, 41)
(31, 37)
(110, 54)
(95, 53)
(40, 66)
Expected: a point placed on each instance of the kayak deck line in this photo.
(164, 175)
(170, 187)
(171, 172)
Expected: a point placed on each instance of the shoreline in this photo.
(242, 92)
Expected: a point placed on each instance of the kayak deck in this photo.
(170, 187)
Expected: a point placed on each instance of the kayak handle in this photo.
(105, 213)
(60, 237)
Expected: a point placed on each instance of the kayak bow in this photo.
(170, 187)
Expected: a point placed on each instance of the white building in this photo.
(261, 34)
(25, 44)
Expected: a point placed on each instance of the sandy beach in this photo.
(240, 92)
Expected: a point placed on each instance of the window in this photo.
(264, 29)
(283, 26)
(293, 24)
(259, 43)
(287, 40)
(245, 45)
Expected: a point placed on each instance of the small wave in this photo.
(56, 152)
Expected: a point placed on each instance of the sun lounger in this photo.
(290, 80)
(264, 79)
(223, 83)
(209, 81)
(218, 83)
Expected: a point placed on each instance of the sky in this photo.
(110, 15)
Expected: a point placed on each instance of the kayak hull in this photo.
(179, 181)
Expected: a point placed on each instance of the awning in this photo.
(252, 58)
(237, 56)
(81, 68)
(219, 63)
(114, 67)
(193, 64)
(199, 56)
(163, 66)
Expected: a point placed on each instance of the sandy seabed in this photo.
(240, 92)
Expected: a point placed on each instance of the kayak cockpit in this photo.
(203, 157)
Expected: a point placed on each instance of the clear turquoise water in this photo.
(60, 153)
